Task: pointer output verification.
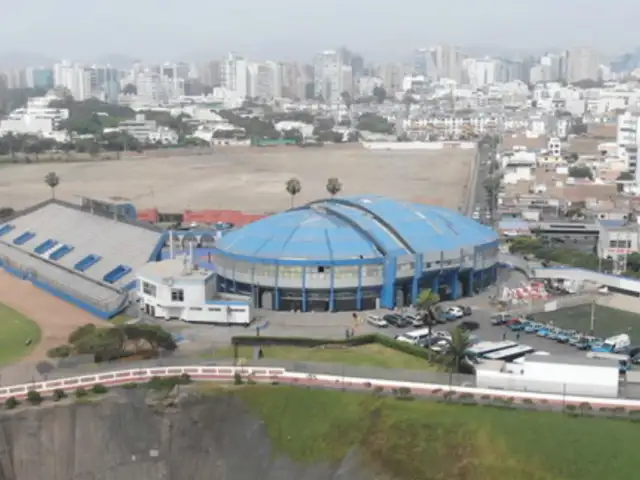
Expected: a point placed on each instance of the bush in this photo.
(130, 386)
(377, 390)
(82, 332)
(62, 351)
(59, 394)
(99, 389)
(11, 403)
(527, 401)
(185, 379)
(34, 397)
(570, 408)
(237, 379)
(366, 384)
(81, 392)
(585, 407)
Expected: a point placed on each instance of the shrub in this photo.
(486, 398)
(59, 394)
(34, 397)
(448, 395)
(185, 379)
(466, 396)
(11, 403)
(366, 384)
(619, 410)
(81, 392)
(130, 386)
(527, 401)
(250, 380)
(99, 389)
(585, 407)
(570, 408)
(377, 390)
(404, 391)
(62, 351)
(82, 332)
(275, 382)
(237, 378)
(436, 391)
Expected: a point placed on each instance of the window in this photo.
(149, 289)
(177, 295)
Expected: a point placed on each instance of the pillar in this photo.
(359, 289)
(388, 296)
(276, 291)
(332, 297)
(304, 289)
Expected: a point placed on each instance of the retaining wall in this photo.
(269, 374)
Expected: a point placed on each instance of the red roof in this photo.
(150, 215)
(224, 216)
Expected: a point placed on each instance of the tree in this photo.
(581, 171)
(380, 93)
(374, 123)
(52, 180)
(346, 99)
(130, 89)
(492, 187)
(426, 301)
(457, 351)
(334, 186)
(294, 187)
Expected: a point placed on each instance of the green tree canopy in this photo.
(581, 171)
(374, 123)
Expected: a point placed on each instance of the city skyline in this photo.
(267, 31)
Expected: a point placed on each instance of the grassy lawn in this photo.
(609, 321)
(120, 319)
(15, 329)
(427, 440)
(372, 355)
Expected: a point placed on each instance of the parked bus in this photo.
(416, 336)
(510, 354)
(483, 348)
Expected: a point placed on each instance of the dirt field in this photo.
(248, 179)
(55, 317)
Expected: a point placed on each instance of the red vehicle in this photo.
(513, 321)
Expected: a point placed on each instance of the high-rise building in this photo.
(210, 74)
(583, 63)
(15, 78)
(332, 76)
(392, 75)
(447, 61)
(260, 81)
(39, 77)
(628, 140)
(423, 63)
(105, 82)
(277, 78)
(233, 74)
(74, 78)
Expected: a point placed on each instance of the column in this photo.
(359, 289)
(332, 299)
(276, 290)
(304, 289)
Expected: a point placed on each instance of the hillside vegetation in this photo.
(416, 440)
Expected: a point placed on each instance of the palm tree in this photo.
(426, 300)
(52, 180)
(491, 187)
(458, 346)
(294, 187)
(334, 186)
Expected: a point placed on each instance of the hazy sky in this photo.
(296, 29)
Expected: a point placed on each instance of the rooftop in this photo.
(178, 268)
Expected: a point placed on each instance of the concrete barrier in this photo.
(269, 374)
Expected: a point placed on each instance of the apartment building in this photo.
(39, 77)
(627, 140)
(260, 81)
(583, 63)
(75, 78)
(332, 76)
(148, 131)
(234, 75)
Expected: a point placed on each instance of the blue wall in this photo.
(67, 297)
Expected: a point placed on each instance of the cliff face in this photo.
(122, 438)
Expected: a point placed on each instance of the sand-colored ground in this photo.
(248, 179)
(55, 317)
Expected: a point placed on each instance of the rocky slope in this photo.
(122, 438)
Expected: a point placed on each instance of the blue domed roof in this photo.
(356, 227)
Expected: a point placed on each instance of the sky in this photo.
(297, 29)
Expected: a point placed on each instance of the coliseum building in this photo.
(356, 253)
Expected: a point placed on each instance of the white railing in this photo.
(271, 374)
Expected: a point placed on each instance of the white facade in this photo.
(35, 118)
(234, 75)
(260, 81)
(332, 76)
(627, 139)
(176, 289)
(75, 78)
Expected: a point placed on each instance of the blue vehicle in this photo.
(517, 326)
(543, 332)
(563, 337)
(553, 334)
(533, 327)
(574, 340)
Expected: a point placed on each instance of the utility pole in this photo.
(592, 319)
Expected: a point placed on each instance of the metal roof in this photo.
(356, 227)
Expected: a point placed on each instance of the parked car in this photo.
(377, 321)
(415, 320)
(587, 342)
(456, 312)
(396, 320)
(544, 331)
(553, 334)
(466, 310)
(563, 336)
(469, 325)
(517, 326)
(533, 327)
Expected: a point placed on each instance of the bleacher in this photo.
(92, 255)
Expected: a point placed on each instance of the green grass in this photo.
(120, 319)
(15, 329)
(608, 321)
(371, 355)
(417, 440)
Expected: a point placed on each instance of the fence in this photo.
(64, 291)
(557, 303)
(276, 375)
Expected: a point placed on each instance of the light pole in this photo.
(592, 319)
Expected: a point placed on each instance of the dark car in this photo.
(469, 325)
(466, 310)
(396, 320)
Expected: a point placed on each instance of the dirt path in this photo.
(55, 317)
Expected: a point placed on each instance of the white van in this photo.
(416, 336)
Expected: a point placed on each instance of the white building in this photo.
(332, 76)
(148, 131)
(178, 289)
(35, 118)
(73, 77)
(234, 75)
(260, 81)
(627, 139)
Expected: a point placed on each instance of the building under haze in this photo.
(355, 253)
